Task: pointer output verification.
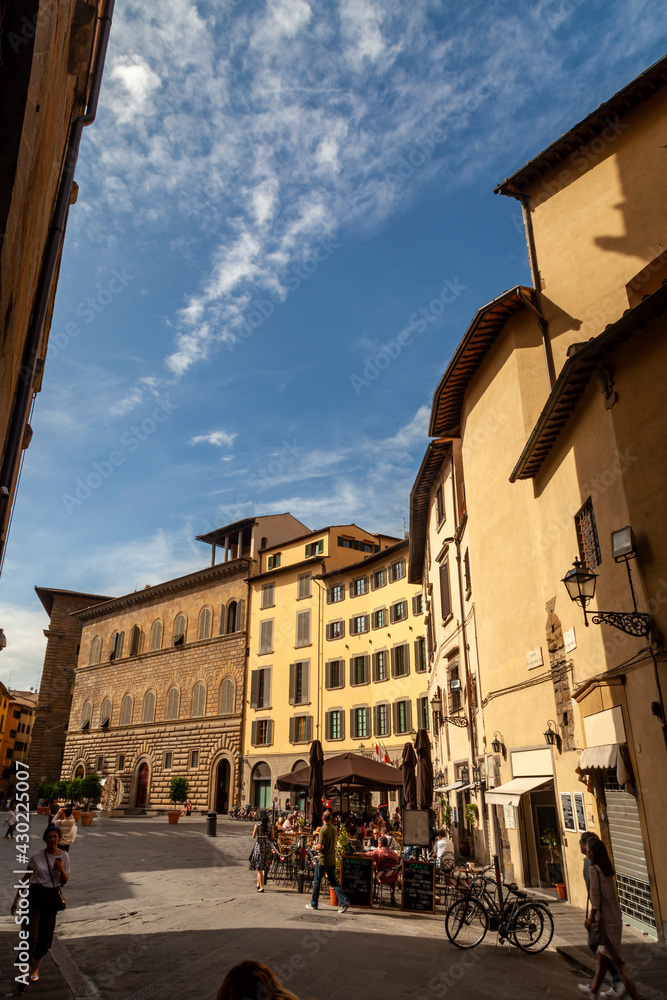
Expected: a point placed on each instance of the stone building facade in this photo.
(159, 690)
(63, 638)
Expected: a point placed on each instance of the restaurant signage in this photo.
(357, 880)
(418, 887)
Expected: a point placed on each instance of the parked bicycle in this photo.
(516, 917)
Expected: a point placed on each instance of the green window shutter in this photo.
(292, 684)
(292, 727)
(253, 738)
(406, 659)
(320, 547)
(254, 689)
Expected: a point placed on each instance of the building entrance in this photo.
(222, 787)
(142, 786)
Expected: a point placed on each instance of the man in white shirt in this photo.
(443, 848)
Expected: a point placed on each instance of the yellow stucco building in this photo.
(554, 399)
(337, 653)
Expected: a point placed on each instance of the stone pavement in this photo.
(162, 912)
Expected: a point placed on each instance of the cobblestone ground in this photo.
(156, 911)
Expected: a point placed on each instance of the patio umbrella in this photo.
(424, 771)
(409, 782)
(316, 785)
(345, 769)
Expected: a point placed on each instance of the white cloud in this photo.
(22, 660)
(218, 438)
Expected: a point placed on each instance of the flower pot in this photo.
(173, 816)
(464, 848)
(333, 898)
(87, 818)
(76, 813)
(562, 890)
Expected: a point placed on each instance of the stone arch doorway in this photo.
(79, 772)
(261, 785)
(222, 776)
(143, 775)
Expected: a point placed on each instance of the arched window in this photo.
(227, 697)
(264, 542)
(105, 713)
(239, 616)
(204, 624)
(135, 639)
(95, 650)
(223, 619)
(126, 711)
(86, 715)
(179, 630)
(172, 703)
(231, 617)
(116, 646)
(156, 635)
(149, 706)
(199, 700)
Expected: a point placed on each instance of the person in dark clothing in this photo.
(326, 865)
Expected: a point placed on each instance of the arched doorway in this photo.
(79, 772)
(222, 787)
(142, 786)
(261, 785)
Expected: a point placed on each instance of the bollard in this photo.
(211, 824)
(302, 863)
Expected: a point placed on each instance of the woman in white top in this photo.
(49, 871)
(66, 829)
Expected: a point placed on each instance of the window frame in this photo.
(268, 596)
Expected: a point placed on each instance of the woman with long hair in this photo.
(260, 858)
(252, 981)
(605, 910)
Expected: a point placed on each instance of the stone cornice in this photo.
(235, 567)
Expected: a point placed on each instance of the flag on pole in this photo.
(386, 755)
(377, 753)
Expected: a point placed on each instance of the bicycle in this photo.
(519, 918)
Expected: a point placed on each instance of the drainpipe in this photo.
(537, 285)
(24, 392)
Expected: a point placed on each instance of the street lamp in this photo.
(580, 584)
(498, 744)
(551, 737)
(436, 706)
(464, 774)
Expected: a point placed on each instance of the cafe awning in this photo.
(346, 769)
(510, 793)
(457, 786)
(608, 757)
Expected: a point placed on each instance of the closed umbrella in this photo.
(408, 764)
(424, 771)
(316, 785)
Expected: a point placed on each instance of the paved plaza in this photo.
(161, 912)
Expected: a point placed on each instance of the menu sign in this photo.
(568, 811)
(581, 812)
(418, 887)
(357, 880)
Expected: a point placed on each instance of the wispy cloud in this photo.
(218, 438)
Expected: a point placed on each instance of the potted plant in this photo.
(44, 792)
(91, 789)
(75, 794)
(472, 817)
(342, 845)
(178, 793)
(447, 816)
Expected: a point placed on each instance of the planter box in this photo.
(87, 818)
(174, 816)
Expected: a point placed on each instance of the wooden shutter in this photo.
(394, 712)
(375, 666)
(292, 684)
(227, 697)
(267, 687)
(376, 720)
(328, 631)
(327, 726)
(367, 668)
(369, 730)
(303, 628)
(353, 724)
(327, 675)
(342, 724)
(266, 636)
(445, 597)
(408, 716)
(305, 684)
(309, 728)
(253, 738)
(254, 688)
(292, 727)
(393, 662)
(223, 619)
(204, 624)
(240, 610)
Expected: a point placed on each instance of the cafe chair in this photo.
(386, 877)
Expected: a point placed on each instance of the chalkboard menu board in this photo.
(357, 880)
(418, 887)
(568, 811)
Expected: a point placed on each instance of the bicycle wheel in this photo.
(466, 922)
(532, 927)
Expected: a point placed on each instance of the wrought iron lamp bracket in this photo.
(456, 720)
(632, 622)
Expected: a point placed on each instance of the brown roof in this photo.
(45, 595)
(371, 557)
(420, 496)
(573, 379)
(635, 93)
(310, 561)
(477, 341)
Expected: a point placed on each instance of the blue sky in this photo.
(285, 222)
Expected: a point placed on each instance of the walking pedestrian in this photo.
(617, 988)
(249, 980)
(260, 857)
(49, 870)
(604, 923)
(10, 823)
(326, 865)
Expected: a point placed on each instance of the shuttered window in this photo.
(334, 725)
(420, 655)
(156, 635)
(422, 713)
(95, 650)
(199, 700)
(149, 706)
(172, 703)
(445, 597)
(274, 561)
(105, 713)
(400, 661)
(402, 717)
(299, 683)
(418, 604)
(382, 720)
(86, 715)
(359, 670)
(439, 505)
(455, 691)
(466, 571)
(315, 548)
(335, 630)
(239, 624)
(359, 586)
(380, 665)
(335, 593)
(126, 711)
(303, 628)
(227, 693)
(379, 579)
(204, 624)
(397, 571)
(359, 624)
(301, 729)
(266, 636)
(262, 733)
(360, 723)
(335, 674)
(398, 612)
(179, 630)
(268, 595)
(379, 618)
(260, 688)
(116, 646)
(223, 620)
(303, 585)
